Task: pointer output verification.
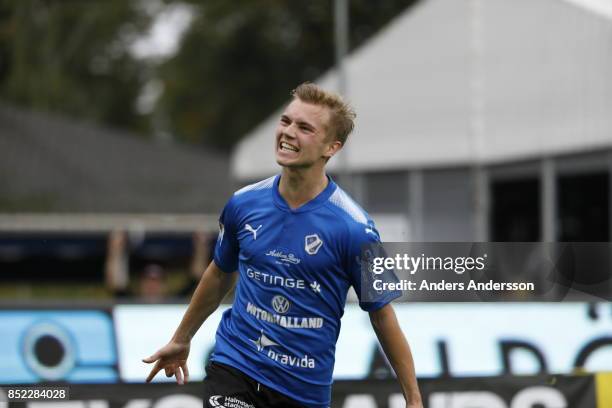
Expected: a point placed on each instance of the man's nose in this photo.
(289, 131)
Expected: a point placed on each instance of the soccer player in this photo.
(295, 241)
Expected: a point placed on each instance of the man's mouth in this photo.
(288, 147)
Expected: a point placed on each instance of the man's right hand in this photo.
(213, 286)
(173, 359)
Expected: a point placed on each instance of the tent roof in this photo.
(458, 82)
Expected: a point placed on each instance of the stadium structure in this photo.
(477, 121)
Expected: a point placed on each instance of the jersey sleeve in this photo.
(364, 243)
(226, 248)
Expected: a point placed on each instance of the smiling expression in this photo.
(301, 135)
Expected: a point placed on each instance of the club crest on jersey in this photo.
(312, 244)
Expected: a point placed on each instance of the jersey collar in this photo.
(310, 205)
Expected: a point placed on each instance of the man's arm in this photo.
(211, 290)
(398, 352)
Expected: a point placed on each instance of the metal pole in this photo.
(341, 24)
(416, 212)
(477, 121)
(548, 207)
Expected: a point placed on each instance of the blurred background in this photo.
(126, 125)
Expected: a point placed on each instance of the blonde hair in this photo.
(342, 115)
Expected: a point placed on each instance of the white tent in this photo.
(458, 82)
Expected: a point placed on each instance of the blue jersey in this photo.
(296, 267)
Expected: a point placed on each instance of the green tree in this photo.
(72, 56)
(240, 58)
(236, 63)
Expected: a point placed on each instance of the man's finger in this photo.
(179, 375)
(153, 372)
(185, 371)
(169, 371)
(151, 359)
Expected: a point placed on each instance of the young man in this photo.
(295, 240)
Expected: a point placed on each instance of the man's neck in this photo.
(298, 186)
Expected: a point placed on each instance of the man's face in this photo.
(301, 135)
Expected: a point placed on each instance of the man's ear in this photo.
(333, 148)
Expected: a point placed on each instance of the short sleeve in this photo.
(226, 248)
(361, 236)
